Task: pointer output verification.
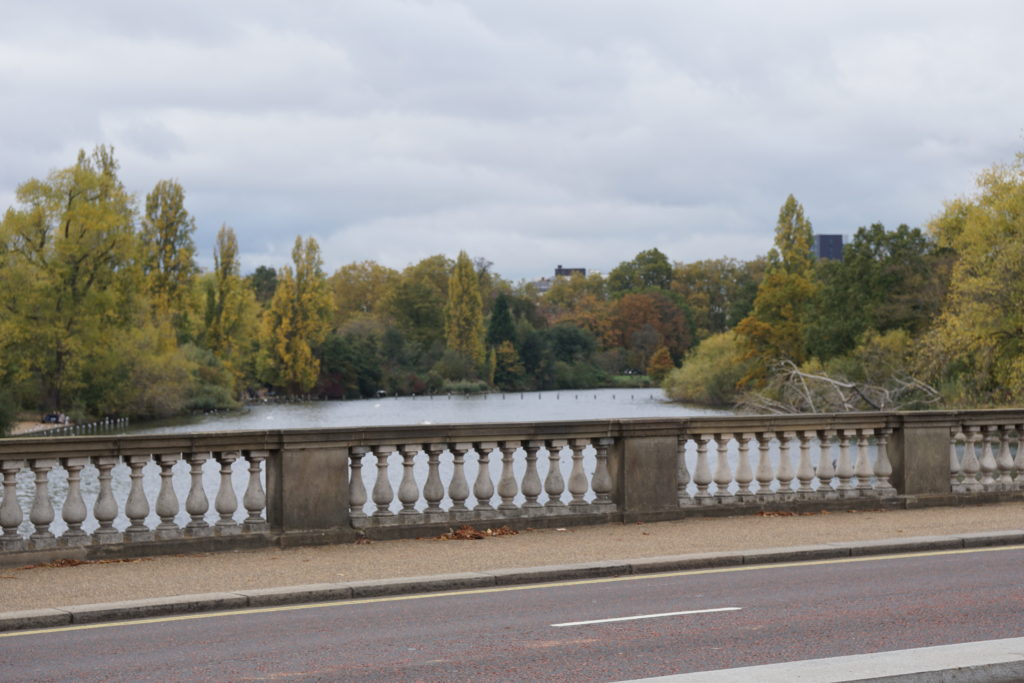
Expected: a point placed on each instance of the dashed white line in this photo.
(648, 616)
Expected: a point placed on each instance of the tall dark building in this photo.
(829, 246)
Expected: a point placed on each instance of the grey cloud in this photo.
(530, 133)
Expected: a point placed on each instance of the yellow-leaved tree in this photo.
(774, 329)
(464, 314)
(296, 323)
(977, 344)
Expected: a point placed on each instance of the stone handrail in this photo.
(98, 496)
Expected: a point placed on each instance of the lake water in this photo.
(591, 404)
(404, 410)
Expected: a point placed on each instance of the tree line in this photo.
(908, 319)
(104, 311)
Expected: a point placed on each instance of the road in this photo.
(774, 613)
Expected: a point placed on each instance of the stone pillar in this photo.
(919, 453)
(307, 492)
(649, 476)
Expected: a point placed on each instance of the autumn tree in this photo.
(463, 315)
(297, 322)
(168, 254)
(775, 328)
(660, 365)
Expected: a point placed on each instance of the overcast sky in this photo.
(531, 133)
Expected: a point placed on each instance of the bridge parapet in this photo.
(106, 496)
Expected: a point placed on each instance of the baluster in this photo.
(433, 489)
(602, 480)
(136, 508)
(196, 502)
(74, 511)
(408, 490)
(988, 461)
(1004, 462)
(383, 494)
(41, 514)
(723, 472)
(744, 474)
(105, 507)
(863, 469)
(531, 478)
(255, 498)
(167, 501)
(971, 465)
(356, 488)
(826, 471)
(554, 484)
(883, 468)
(682, 473)
(578, 484)
(507, 486)
(226, 501)
(804, 471)
(765, 475)
(11, 515)
(1018, 461)
(785, 472)
(844, 468)
(702, 472)
(483, 487)
(954, 463)
(458, 487)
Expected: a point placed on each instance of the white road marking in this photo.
(648, 616)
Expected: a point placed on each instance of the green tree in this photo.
(501, 327)
(719, 292)
(297, 322)
(648, 270)
(67, 280)
(168, 254)
(416, 303)
(231, 310)
(887, 280)
(263, 282)
(464, 316)
(359, 288)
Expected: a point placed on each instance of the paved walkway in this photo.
(50, 587)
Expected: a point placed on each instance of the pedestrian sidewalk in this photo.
(40, 587)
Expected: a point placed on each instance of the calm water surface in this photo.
(592, 404)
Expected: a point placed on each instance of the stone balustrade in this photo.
(98, 496)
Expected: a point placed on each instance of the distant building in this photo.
(828, 246)
(569, 272)
(544, 283)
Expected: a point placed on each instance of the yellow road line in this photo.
(501, 589)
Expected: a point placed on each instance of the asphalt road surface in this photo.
(597, 630)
